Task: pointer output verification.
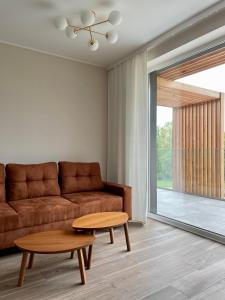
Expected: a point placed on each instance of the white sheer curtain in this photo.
(128, 130)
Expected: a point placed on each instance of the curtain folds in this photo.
(128, 130)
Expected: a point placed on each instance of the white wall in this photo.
(51, 108)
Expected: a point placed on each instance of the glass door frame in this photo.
(152, 191)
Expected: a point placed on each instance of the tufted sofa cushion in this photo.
(30, 181)
(79, 177)
(2, 183)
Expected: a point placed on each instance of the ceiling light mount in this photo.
(87, 18)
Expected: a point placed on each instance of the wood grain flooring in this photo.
(165, 263)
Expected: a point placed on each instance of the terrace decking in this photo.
(201, 212)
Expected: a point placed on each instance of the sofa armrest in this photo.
(123, 191)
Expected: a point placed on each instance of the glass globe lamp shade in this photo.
(115, 17)
(60, 23)
(87, 17)
(111, 36)
(70, 33)
(93, 45)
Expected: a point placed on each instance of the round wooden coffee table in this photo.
(104, 220)
(51, 242)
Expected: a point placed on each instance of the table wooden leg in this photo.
(127, 236)
(85, 257)
(81, 266)
(31, 260)
(72, 252)
(22, 268)
(111, 235)
(89, 257)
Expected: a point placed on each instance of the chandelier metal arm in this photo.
(90, 33)
(95, 24)
(88, 28)
(95, 32)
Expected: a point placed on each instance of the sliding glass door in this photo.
(187, 137)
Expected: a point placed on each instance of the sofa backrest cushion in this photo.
(79, 177)
(30, 181)
(2, 183)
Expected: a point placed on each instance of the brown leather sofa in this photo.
(37, 197)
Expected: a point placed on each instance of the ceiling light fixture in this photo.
(87, 18)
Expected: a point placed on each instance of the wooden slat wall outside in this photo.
(198, 148)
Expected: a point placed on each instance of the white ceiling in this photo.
(29, 23)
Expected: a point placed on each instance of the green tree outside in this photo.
(164, 156)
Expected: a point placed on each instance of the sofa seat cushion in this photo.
(96, 201)
(9, 219)
(44, 210)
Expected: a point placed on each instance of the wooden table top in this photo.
(55, 241)
(100, 220)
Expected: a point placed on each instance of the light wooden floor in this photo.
(201, 212)
(165, 263)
